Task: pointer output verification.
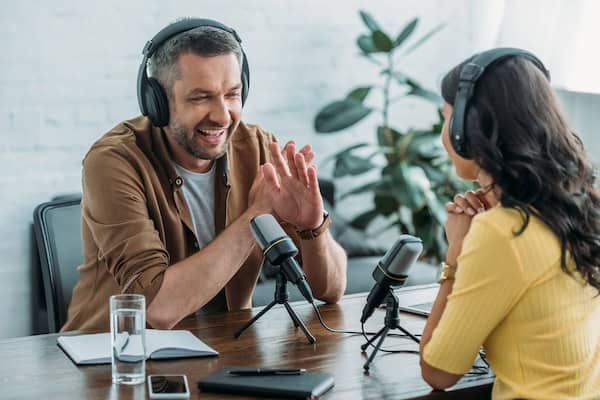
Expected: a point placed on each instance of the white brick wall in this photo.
(68, 68)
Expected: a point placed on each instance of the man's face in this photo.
(206, 104)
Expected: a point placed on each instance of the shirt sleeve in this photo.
(488, 283)
(114, 207)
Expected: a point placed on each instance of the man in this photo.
(166, 211)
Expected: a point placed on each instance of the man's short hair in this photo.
(205, 41)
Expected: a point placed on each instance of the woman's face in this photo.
(466, 169)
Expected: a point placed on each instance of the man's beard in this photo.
(182, 137)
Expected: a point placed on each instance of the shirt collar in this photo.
(163, 153)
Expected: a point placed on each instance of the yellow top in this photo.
(539, 326)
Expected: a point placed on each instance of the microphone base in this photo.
(280, 297)
(391, 322)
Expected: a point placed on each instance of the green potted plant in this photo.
(415, 177)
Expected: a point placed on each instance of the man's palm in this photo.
(298, 204)
(295, 189)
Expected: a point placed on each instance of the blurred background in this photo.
(68, 70)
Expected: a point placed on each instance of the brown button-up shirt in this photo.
(135, 221)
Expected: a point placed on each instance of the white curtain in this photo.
(564, 34)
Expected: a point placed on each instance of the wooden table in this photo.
(35, 367)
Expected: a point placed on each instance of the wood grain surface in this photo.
(36, 368)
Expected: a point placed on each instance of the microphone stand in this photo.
(391, 322)
(280, 297)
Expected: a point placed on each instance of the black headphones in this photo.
(152, 98)
(469, 74)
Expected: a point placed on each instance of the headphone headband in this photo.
(184, 25)
(151, 96)
(469, 75)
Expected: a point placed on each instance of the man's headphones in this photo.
(469, 74)
(152, 98)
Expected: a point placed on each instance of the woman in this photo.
(521, 276)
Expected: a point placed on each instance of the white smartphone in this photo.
(168, 387)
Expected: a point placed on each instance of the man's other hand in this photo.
(294, 186)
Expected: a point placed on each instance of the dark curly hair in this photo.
(518, 134)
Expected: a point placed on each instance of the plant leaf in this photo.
(355, 146)
(340, 115)
(367, 187)
(437, 126)
(369, 57)
(363, 220)
(382, 41)
(417, 90)
(418, 177)
(406, 32)
(415, 87)
(403, 228)
(369, 21)
(380, 186)
(423, 229)
(402, 146)
(408, 185)
(400, 77)
(386, 204)
(436, 175)
(359, 93)
(424, 145)
(350, 164)
(351, 148)
(436, 208)
(386, 136)
(424, 38)
(365, 43)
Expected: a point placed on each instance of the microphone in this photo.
(280, 250)
(392, 271)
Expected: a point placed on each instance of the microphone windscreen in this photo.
(402, 255)
(266, 230)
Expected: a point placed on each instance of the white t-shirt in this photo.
(199, 192)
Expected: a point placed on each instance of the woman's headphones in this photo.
(469, 74)
(152, 98)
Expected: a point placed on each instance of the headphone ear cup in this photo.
(451, 134)
(245, 78)
(157, 103)
(458, 139)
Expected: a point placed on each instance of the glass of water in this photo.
(128, 338)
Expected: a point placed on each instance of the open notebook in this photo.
(95, 348)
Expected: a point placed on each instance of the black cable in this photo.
(350, 332)
(476, 370)
(385, 350)
(483, 357)
(363, 333)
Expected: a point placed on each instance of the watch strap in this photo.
(309, 234)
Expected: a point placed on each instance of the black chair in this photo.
(57, 229)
